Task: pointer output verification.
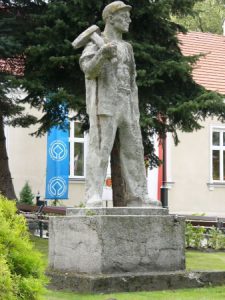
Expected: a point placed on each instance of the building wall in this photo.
(27, 160)
(190, 173)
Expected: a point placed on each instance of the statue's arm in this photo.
(91, 64)
(136, 101)
(92, 59)
(134, 87)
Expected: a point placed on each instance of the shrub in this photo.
(26, 195)
(194, 236)
(216, 239)
(21, 267)
(6, 283)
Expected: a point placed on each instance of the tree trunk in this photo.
(118, 183)
(6, 184)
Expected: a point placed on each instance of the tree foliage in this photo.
(207, 16)
(26, 195)
(169, 98)
(15, 19)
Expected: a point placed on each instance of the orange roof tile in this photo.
(209, 71)
(13, 66)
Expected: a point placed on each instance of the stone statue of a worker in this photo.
(112, 104)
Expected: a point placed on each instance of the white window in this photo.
(77, 151)
(218, 154)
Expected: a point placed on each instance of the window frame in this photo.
(72, 141)
(221, 149)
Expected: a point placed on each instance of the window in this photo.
(218, 154)
(77, 151)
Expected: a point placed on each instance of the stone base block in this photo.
(117, 211)
(134, 282)
(112, 244)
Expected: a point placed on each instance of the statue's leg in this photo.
(132, 163)
(101, 137)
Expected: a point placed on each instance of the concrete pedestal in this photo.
(116, 241)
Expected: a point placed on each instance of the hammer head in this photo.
(85, 36)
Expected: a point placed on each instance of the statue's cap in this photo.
(114, 7)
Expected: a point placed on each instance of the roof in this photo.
(13, 66)
(209, 71)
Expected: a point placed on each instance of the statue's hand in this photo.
(109, 50)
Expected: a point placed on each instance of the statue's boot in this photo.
(94, 201)
(147, 201)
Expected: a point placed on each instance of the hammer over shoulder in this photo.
(90, 34)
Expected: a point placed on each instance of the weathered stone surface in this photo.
(112, 105)
(116, 244)
(116, 211)
(134, 282)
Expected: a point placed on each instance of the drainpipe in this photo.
(164, 188)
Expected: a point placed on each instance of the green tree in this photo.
(169, 98)
(26, 195)
(15, 19)
(207, 16)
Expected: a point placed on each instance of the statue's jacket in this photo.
(109, 79)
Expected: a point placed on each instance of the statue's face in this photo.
(121, 21)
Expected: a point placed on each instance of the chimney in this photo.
(223, 26)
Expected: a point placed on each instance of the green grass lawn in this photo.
(41, 245)
(195, 260)
(187, 294)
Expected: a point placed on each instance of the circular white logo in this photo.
(58, 150)
(57, 186)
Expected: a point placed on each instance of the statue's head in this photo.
(117, 14)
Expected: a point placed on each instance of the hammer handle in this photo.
(97, 39)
